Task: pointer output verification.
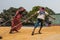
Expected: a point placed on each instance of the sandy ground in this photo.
(48, 33)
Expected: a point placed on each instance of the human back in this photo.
(41, 14)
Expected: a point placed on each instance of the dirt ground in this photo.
(48, 33)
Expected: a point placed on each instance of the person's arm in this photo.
(17, 13)
(35, 13)
(30, 17)
(51, 17)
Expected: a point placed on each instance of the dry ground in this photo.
(48, 33)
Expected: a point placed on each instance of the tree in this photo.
(9, 13)
(50, 11)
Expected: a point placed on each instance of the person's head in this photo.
(21, 9)
(42, 9)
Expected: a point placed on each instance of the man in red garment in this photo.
(17, 20)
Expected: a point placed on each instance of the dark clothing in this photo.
(39, 21)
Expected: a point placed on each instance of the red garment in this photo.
(16, 21)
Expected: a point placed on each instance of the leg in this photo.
(12, 25)
(15, 30)
(36, 25)
(33, 31)
(11, 31)
(41, 26)
(40, 30)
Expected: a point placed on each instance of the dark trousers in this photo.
(39, 21)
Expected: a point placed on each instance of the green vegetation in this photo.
(9, 13)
